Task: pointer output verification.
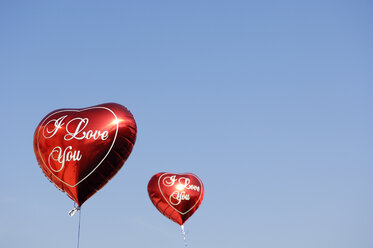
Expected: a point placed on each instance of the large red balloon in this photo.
(80, 150)
(176, 196)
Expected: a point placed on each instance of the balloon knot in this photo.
(73, 211)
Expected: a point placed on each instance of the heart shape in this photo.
(80, 150)
(177, 196)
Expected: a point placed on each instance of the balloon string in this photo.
(184, 236)
(72, 213)
(80, 214)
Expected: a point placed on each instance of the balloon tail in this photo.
(184, 236)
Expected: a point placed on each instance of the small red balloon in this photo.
(176, 196)
(80, 150)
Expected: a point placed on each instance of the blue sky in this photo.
(268, 102)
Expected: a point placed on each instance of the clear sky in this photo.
(268, 102)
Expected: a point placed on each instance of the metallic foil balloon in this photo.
(80, 150)
(176, 196)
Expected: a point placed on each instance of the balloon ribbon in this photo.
(72, 213)
(184, 236)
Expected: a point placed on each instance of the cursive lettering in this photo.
(79, 132)
(169, 181)
(75, 129)
(176, 197)
(181, 184)
(61, 156)
(57, 124)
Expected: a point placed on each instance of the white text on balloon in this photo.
(61, 156)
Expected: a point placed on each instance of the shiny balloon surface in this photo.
(176, 196)
(80, 150)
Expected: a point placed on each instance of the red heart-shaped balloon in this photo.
(80, 150)
(176, 196)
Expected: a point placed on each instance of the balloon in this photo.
(80, 150)
(176, 196)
